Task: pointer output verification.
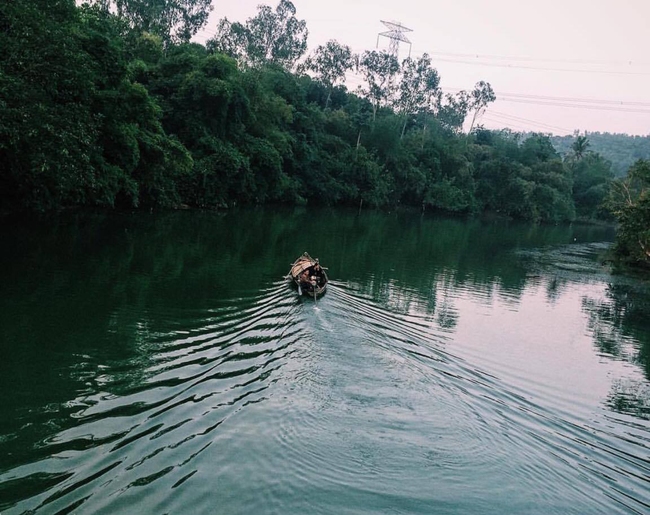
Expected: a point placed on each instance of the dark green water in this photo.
(160, 364)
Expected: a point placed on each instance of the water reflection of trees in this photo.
(100, 280)
(621, 328)
(631, 397)
(428, 259)
(86, 299)
(620, 323)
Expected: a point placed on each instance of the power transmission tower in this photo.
(395, 34)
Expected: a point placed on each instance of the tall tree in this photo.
(231, 39)
(592, 176)
(629, 201)
(417, 88)
(379, 70)
(451, 110)
(175, 21)
(272, 36)
(330, 62)
(481, 96)
(580, 146)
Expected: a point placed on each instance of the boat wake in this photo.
(273, 403)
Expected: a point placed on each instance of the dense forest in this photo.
(623, 150)
(110, 104)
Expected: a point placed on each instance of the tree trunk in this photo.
(473, 120)
(646, 251)
(329, 94)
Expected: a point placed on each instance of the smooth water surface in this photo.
(160, 363)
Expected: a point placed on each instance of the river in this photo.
(160, 363)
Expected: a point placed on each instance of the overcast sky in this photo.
(555, 65)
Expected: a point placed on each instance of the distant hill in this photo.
(621, 149)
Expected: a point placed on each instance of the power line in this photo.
(538, 68)
(576, 106)
(576, 99)
(545, 100)
(605, 104)
(519, 119)
(514, 125)
(540, 59)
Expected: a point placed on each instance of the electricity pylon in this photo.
(395, 34)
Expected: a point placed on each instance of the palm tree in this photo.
(580, 146)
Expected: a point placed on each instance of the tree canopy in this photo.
(272, 36)
(622, 150)
(108, 104)
(173, 21)
(629, 200)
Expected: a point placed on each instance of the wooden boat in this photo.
(314, 283)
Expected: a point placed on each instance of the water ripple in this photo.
(153, 421)
(414, 374)
(284, 405)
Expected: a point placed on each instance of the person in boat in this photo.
(306, 282)
(317, 274)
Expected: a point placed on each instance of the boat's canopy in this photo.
(301, 264)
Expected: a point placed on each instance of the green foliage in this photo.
(537, 147)
(446, 196)
(378, 69)
(592, 175)
(372, 181)
(622, 150)
(451, 110)
(629, 201)
(330, 62)
(526, 181)
(75, 129)
(173, 22)
(480, 97)
(271, 37)
(418, 87)
(98, 109)
(580, 146)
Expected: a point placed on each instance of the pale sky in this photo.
(555, 66)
